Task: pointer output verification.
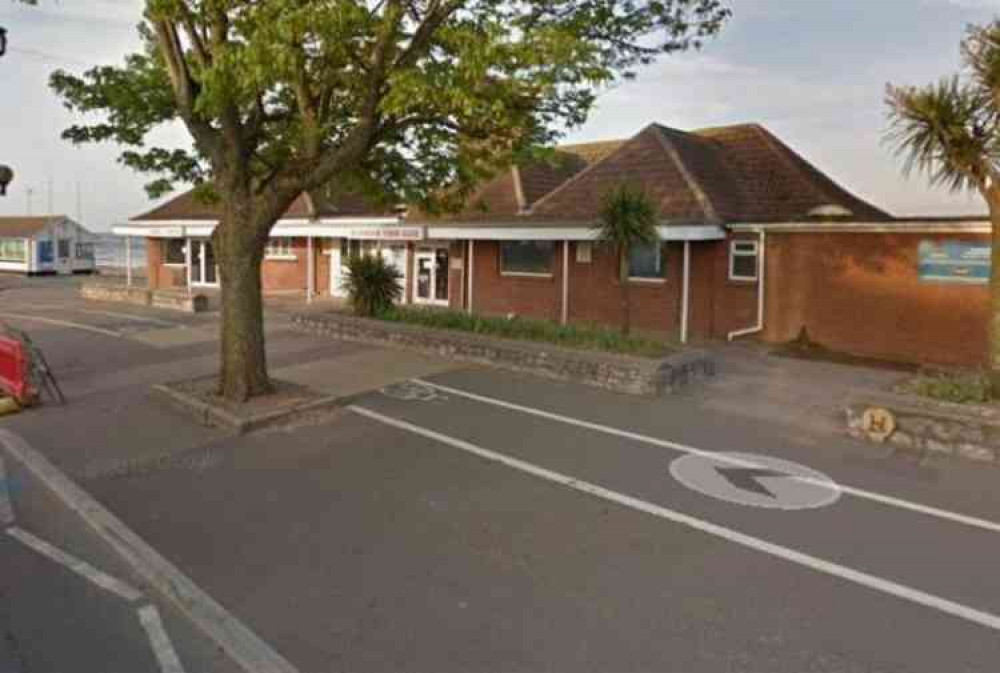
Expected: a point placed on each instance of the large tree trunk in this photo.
(994, 320)
(243, 354)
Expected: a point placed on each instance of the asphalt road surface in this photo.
(485, 521)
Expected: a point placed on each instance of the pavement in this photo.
(466, 519)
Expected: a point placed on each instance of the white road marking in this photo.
(61, 323)
(110, 314)
(786, 553)
(891, 501)
(82, 568)
(166, 656)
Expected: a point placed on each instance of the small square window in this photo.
(743, 260)
(175, 251)
(645, 262)
(279, 248)
(584, 252)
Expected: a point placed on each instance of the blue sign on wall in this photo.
(954, 262)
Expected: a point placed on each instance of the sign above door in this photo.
(388, 233)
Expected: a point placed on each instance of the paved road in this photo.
(491, 521)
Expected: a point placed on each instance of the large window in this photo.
(526, 257)
(175, 251)
(645, 262)
(64, 248)
(13, 250)
(279, 248)
(85, 251)
(743, 257)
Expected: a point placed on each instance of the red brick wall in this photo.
(497, 294)
(161, 276)
(733, 303)
(280, 275)
(860, 293)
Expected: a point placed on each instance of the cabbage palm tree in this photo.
(628, 218)
(950, 131)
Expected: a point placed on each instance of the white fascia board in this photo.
(898, 227)
(522, 233)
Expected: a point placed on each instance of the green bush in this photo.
(958, 387)
(573, 336)
(372, 285)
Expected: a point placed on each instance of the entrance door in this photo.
(337, 271)
(432, 276)
(203, 268)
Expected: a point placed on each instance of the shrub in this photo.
(372, 285)
(958, 387)
(574, 336)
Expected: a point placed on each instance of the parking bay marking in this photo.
(955, 517)
(862, 578)
(61, 323)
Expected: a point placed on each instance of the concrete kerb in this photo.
(225, 630)
(213, 416)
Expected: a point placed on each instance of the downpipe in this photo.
(761, 275)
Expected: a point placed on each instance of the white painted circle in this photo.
(755, 480)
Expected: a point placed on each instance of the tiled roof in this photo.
(513, 191)
(26, 227)
(731, 174)
(307, 206)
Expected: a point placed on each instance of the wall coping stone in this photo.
(612, 371)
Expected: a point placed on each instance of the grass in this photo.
(572, 336)
(957, 387)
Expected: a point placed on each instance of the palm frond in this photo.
(943, 131)
(628, 217)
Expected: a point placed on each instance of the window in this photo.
(584, 252)
(44, 252)
(526, 257)
(743, 260)
(64, 248)
(85, 251)
(13, 250)
(175, 251)
(645, 262)
(279, 248)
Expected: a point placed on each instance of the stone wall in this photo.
(634, 375)
(913, 423)
(176, 301)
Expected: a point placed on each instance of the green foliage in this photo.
(628, 218)
(372, 284)
(960, 388)
(572, 336)
(949, 130)
(406, 97)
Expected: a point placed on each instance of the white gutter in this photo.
(761, 274)
(565, 284)
(310, 269)
(686, 292)
(518, 231)
(897, 227)
(471, 271)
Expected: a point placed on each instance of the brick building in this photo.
(754, 241)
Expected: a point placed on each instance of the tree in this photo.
(417, 100)
(628, 219)
(950, 131)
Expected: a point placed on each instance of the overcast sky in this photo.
(812, 71)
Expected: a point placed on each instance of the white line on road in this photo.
(955, 517)
(786, 553)
(166, 656)
(82, 568)
(110, 314)
(61, 323)
(6, 507)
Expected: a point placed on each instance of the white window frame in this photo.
(280, 248)
(659, 263)
(753, 250)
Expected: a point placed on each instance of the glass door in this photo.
(197, 277)
(203, 268)
(432, 276)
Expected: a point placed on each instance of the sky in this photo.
(812, 71)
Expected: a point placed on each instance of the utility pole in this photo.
(6, 174)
